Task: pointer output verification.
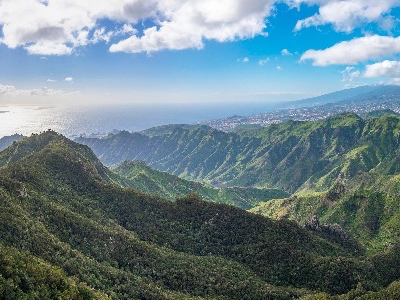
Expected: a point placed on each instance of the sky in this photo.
(193, 51)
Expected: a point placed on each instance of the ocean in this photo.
(76, 120)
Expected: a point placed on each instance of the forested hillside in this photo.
(292, 156)
(148, 180)
(61, 209)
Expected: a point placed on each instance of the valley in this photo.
(199, 150)
(334, 230)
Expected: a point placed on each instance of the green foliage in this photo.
(168, 186)
(292, 156)
(62, 208)
(23, 276)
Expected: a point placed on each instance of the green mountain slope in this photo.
(292, 156)
(24, 276)
(171, 187)
(58, 208)
(366, 205)
(360, 192)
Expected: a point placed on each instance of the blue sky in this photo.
(193, 51)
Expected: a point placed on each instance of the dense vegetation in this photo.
(292, 156)
(62, 211)
(142, 177)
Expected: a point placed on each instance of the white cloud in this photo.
(286, 52)
(69, 79)
(262, 62)
(59, 27)
(349, 76)
(186, 23)
(12, 91)
(126, 29)
(243, 60)
(349, 14)
(6, 89)
(48, 48)
(51, 80)
(102, 35)
(350, 73)
(395, 81)
(279, 68)
(385, 68)
(354, 51)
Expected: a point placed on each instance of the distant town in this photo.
(359, 106)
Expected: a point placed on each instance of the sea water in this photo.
(76, 120)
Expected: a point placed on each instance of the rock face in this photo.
(334, 229)
(313, 223)
(334, 233)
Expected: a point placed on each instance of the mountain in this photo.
(60, 210)
(361, 100)
(357, 94)
(8, 140)
(30, 146)
(142, 177)
(380, 113)
(366, 205)
(291, 156)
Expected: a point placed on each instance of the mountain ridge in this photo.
(59, 209)
(353, 94)
(140, 176)
(292, 156)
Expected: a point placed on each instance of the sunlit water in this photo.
(77, 120)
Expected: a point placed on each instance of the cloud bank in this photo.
(386, 68)
(58, 27)
(347, 15)
(62, 27)
(12, 91)
(354, 51)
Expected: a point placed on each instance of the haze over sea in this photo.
(76, 120)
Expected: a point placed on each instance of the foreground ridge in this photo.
(62, 206)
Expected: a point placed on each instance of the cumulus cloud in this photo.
(350, 73)
(286, 52)
(354, 51)
(187, 23)
(349, 14)
(58, 27)
(385, 68)
(69, 79)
